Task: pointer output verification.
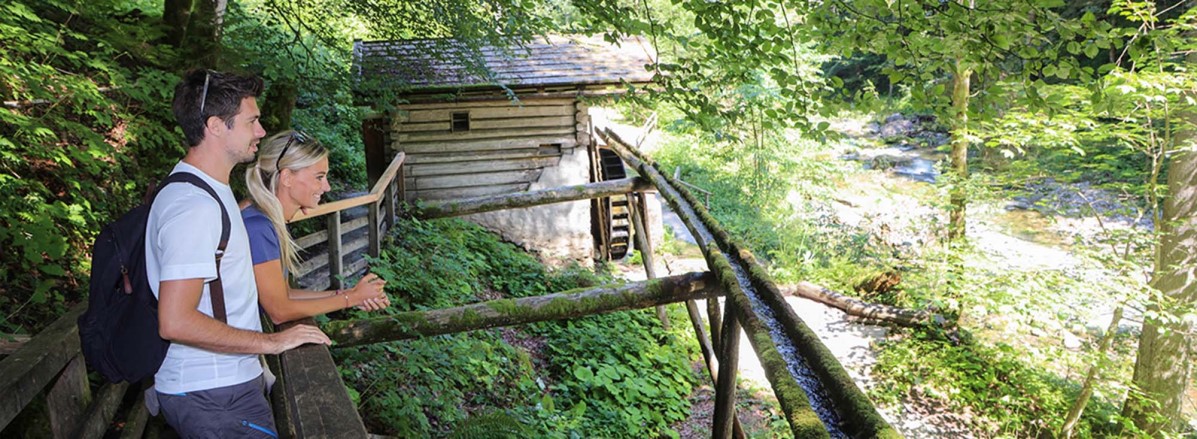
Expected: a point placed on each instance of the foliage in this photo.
(1011, 397)
(736, 70)
(83, 137)
(639, 379)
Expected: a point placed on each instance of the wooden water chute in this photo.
(740, 273)
(505, 120)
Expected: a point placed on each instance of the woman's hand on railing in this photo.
(368, 294)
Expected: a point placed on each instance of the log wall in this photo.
(506, 148)
(509, 147)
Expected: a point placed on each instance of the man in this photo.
(210, 383)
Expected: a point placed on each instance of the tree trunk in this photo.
(507, 312)
(175, 16)
(864, 310)
(278, 104)
(1162, 368)
(959, 155)
(468, 206)
(200, 45)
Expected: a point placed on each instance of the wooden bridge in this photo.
(44, 382)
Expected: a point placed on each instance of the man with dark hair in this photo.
(210, 384)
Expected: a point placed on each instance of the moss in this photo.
(467, 319)
(506, 307)
(558, 305)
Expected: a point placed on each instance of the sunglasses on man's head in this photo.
(204, 94)
(296, 136)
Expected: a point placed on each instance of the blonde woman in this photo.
(289, 175)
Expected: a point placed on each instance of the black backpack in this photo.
(119, 331)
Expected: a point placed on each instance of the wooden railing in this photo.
(381, 203)
(49, 370)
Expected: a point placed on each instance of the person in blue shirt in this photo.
(289, 175)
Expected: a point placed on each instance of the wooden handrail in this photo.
(372, 197)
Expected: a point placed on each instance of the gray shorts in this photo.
(240, 411)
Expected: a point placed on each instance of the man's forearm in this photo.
(204, 332)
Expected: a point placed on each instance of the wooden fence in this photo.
(381, 204)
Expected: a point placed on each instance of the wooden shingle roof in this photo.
(427, 65)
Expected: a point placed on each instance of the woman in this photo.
(290, 174)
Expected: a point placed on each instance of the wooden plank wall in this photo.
(505, 150)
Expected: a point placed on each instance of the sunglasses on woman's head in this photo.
(296, 136)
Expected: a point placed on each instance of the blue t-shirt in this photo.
(263, 239)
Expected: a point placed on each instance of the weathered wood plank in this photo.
(472, 166)
(27, 371)
(321, 260)
(136, 422)
(524, 310)
(467, 192)
(489, 124)
(523, 102)
(316, 397)
(101, 411)
(311, 239)
(10, 343)
(475, 146)
(479, 113)
(469, 180)
(511, 154)
(493, 134)
(68, 398)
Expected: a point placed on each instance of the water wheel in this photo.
(615, 219)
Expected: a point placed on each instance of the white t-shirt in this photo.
(182, 234)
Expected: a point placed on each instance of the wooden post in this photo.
(374, 236)
(645, 245)
(334, 250)
(725, 388)
(389, 205)
(716, 323)
(68, 398)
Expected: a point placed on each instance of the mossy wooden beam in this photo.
(449, 208)
(859, 414)
(507, 312)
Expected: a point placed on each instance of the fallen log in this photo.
(507, 312)
(859, 308)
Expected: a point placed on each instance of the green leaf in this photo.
(583, 373)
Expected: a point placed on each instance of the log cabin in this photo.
(490, 120)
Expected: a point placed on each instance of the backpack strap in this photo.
(216, 288)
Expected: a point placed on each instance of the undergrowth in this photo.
(611, 375)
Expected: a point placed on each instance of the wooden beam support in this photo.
(507, 312)
(335, 261)
(374, 233)
(725, 387)
(468, 206)
(102, 409)
(644, 244)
